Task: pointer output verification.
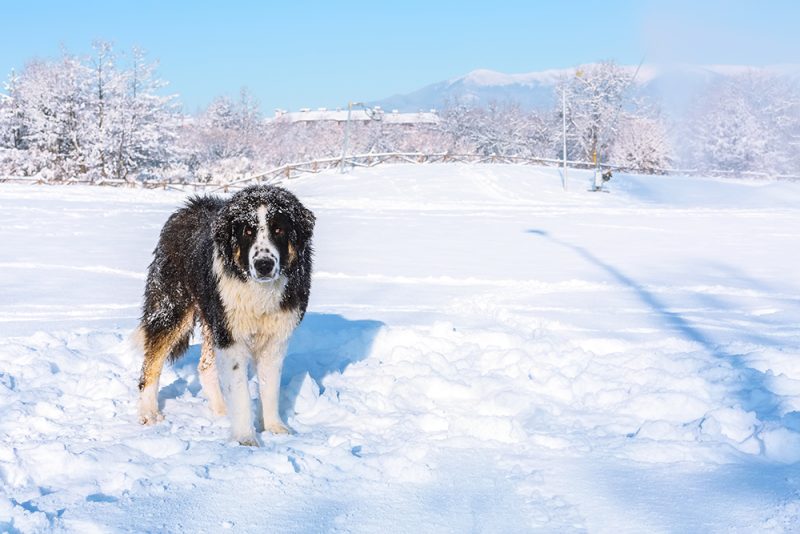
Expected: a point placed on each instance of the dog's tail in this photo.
(180, 347)
(136, 340)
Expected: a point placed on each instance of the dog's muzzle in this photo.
(265, 268)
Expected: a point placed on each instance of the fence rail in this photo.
(294, 170)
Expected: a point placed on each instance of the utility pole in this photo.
(347, 134)
(564, 127)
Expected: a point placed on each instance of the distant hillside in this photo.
(673, 86)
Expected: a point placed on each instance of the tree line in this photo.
(108, 116)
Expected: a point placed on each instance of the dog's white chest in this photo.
(253, 310)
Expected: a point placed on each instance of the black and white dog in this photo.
(242, 268)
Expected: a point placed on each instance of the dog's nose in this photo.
(264, 267)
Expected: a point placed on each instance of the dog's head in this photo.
(263, 232)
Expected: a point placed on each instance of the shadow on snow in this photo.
(324, 344)
(751, 386)
(321, 345)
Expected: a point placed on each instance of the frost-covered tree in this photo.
(79, 117)
(146, 124)
(104, 102)
(420, 137)
(594, 95)
(641, 144)
(727, 134)
(498, 129)
(456, 125)
(749, 122)
(13, 123)
(775, 102)
(228, 138)
(778, 98)
(48, 118)
(132, 131)
(13, 128)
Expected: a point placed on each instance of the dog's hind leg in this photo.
(160, 343)
(207, 369)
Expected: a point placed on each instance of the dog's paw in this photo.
(277, 428)
(150, 418)
(249, 441)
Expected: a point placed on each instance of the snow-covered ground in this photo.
(483, 352)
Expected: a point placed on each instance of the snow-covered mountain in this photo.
(531, 90)
(535, 90)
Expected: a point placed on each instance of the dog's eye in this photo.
(248, 230)
(278, 231)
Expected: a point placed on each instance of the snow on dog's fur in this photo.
(242, 268)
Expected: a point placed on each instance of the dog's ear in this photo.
(225, 238)
(223, 233)
(304, 224)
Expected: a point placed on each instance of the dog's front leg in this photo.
(269, 364)
(232, 368)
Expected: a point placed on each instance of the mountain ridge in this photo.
(536, 89)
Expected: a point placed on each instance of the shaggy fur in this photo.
(242, 268)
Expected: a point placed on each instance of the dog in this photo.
(242, 269)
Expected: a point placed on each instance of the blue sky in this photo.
(310, 54)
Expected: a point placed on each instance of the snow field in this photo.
(483, 351)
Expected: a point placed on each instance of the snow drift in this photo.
(483, 352)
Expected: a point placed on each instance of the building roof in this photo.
(359, 115)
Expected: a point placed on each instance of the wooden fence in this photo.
(294, 170)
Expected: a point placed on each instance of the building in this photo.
(339, 116)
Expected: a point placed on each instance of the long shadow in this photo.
(715, 302)
(323, 344)
(785, 296)
(752, 387)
